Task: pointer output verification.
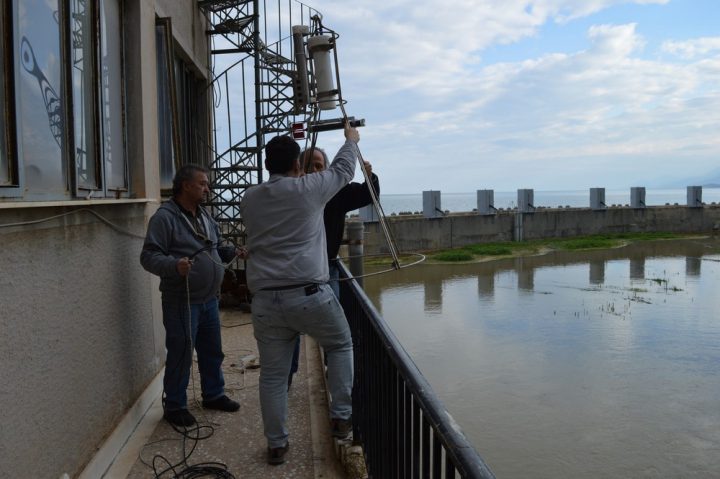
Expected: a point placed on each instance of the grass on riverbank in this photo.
(483, 251)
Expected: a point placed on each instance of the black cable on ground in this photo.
(183, 470)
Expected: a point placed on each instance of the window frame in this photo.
(70, 156)
(7, 43)
(98, 186)
(165, 24)
(114, 191)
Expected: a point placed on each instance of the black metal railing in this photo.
(403, 427)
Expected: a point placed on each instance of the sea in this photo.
(467, 202)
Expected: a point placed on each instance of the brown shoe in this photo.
(276, 455)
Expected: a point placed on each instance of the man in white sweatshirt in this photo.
(287, 273)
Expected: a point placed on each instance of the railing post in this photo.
(355, 231)
(399, 444)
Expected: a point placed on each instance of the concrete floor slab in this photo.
(236, 439)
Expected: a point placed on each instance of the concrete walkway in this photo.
(237, 438)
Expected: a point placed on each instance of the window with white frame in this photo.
(67, 59)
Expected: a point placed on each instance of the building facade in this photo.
(101, 101)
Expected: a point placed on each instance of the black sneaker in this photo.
(276, 455)
(341, 428)
(179, 417)
(223, 403)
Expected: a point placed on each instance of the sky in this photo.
(461, 95)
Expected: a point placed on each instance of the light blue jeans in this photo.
(335, 286)
(278, 318)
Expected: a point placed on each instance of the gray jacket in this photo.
(284, 224)
(170, 236)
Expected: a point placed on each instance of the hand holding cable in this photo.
(183, 266)
(351, 133)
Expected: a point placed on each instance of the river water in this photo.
(573, 364)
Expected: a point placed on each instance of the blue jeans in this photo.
(278, 318)
(335, 286)
(204, 329)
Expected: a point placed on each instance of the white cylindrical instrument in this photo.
(320, 47)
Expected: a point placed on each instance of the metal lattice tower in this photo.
(253, 76)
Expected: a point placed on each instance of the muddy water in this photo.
(582, 364)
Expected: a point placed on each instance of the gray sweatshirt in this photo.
(170, 236)
(283, 220)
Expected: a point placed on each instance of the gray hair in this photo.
(186, 173)
(305, 165)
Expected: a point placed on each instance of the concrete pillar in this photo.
(694, 197)
(526, 201)
(431, 204)
(355, 231)
(597, 199)
(637, 197)
(486, 202)
(518, 234)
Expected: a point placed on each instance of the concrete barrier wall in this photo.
(414, 233)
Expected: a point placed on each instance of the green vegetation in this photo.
(490, 249)
(453, 255)
(482, 251)
(587, 243)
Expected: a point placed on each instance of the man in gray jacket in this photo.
(287, 272)
(181, 247)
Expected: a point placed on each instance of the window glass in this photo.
(111, 94)
(41, 104)
(81, 48)
(4, 158)
(192, 114)
(165, 107)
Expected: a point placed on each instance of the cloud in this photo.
(693, 48)
(604, 111)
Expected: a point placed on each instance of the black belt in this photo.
(310, 288)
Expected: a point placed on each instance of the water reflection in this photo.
(433, 294)
(433, 278)
(486, 285)
(597, 272)
(573, 364)
(692, 266)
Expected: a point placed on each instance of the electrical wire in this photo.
(375, 273)
(87, 210)
(183, 470)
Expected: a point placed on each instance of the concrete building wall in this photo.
(80, 320)
(188, 25)
(79, 342)
(421, 234)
